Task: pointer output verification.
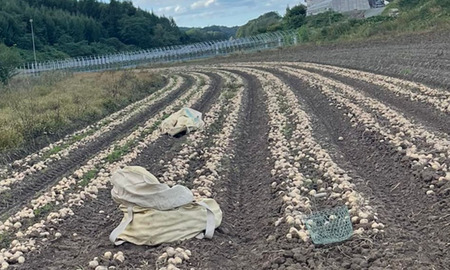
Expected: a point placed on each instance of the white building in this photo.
(319, 6)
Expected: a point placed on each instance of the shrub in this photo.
(9, 61)
(409, 4)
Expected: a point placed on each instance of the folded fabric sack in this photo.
(184, 120)
(155, 213)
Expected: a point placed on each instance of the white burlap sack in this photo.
(154, 213)
(185, 119)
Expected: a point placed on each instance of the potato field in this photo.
(276, 133)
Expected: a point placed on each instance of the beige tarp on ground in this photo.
(154, 213)
(185, 119)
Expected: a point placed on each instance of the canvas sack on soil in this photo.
(184, 120)
(154, 213)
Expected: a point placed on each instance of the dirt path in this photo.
(22, 192)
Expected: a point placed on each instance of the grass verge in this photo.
(53, 104)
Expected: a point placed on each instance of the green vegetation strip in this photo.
(34, 108)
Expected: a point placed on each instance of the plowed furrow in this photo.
(402, 133)
(216, 84)
(100, 216)
(244, 195)
(400, 200)
(419, 112)
(38, 161)
(28, 187)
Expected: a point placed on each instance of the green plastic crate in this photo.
(329, 226)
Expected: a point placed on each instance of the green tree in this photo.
(136, 30)
(9, 61)
(259, 25)
(93, 25)
(295, 17)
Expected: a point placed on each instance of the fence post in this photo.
(167, 54)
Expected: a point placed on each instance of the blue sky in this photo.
(200, 13)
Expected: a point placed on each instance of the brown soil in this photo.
(417, 225)
(65, 253)
(244, 195)
(412, 218)
(421, 57)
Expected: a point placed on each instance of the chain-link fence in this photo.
(166, 54)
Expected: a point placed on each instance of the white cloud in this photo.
(209, 2)
(202, 3)
(172, 9)
(165, 9)
(178, 9)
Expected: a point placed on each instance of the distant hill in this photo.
(209, 33)
(267, 22)
(66, 28)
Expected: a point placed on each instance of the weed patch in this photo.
(5, 240)
(41, 211)
(87, 177)
(119, 151)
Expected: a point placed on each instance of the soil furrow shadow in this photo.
(25, 190)
(414, 237)
(93, 227)
(423, 113)
(244, 194)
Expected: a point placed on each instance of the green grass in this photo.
(39, 212)
(119, 151)
(53, 151)
(5, 240)
(87, 177)
(6, 195)
(406, 71)
(154, 126)
(283, 105)
(36, 107)
(288, 130)
(79, 137)
(231, 90)
(414, 16)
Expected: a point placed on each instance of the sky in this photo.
(201, 13)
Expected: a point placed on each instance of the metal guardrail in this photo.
(166, 54)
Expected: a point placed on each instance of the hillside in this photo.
(84, 27)
(267, 22)
(400, 16)
(214, 32)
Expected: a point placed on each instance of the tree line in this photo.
(294, 18)
(71, 28)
